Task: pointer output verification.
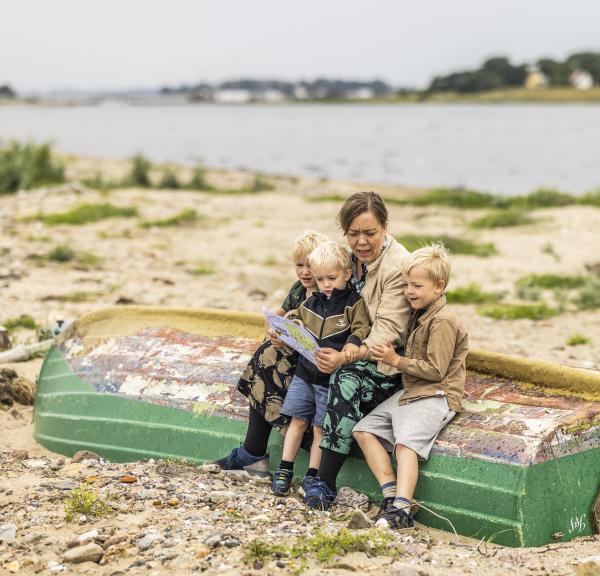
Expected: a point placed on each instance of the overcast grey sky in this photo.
(95, 44)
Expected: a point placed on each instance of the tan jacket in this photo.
(437, 347)
(383, 292)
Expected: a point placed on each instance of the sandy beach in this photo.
(235, 255)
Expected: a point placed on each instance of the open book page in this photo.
(293, 335)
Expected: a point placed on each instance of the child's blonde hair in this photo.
(330, 254)
(434, 259)
(305, 244)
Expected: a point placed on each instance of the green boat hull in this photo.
(501, 497)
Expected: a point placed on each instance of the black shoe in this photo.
(282, 480)
(397, 518)
(384, 506)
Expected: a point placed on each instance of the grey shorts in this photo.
(306, 401)
(415, 425)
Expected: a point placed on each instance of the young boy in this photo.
(271, 369)
(433, 375)
(338, 318)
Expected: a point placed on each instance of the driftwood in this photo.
(23, 353)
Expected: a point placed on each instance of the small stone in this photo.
(13, 566)
(128, 479)
(87, 553)
(219, 496)
(359, 520)
(202, 551)
(7, 532)
(240, 475)
(55, 566)
(19, 455)
(173, 502)
(32, 537)
(115, 539)
(232, 543)
(84, 455)
(209, 468)
(213, 540)
(34, 463)
(148, 540)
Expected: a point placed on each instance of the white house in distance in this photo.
(232, 96)
(535, 79)
(581, 80)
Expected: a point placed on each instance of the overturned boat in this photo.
(519, 466)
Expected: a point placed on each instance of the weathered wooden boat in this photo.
(520, 465)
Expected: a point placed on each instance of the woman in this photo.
(355, 388)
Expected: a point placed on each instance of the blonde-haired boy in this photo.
(338, 318)
(305, 285)
(433, 375)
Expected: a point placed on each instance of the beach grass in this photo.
(503, 219)
(85, 214)
(588, 295)
(472, 294)
(186, 217)
(539, 311)
(202, 269)
(23, 321)
(169, 180)
(577, 339)
(26, 166)
(551, 281)
(338, 198)
(454, 244)
(139, 174)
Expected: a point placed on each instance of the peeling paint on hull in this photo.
(517, 462)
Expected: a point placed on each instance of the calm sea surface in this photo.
(507, 149)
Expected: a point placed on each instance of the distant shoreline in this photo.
(506, 96)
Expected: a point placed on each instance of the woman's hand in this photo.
(274, 337)
(385, 353)
(329, 360)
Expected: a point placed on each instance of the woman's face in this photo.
(365, 237)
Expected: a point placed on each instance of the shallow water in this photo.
(507, 149)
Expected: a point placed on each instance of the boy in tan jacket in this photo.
(433, 374)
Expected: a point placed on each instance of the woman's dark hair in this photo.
(358, 204)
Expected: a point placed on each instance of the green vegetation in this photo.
(542, 198)
(577, 340)
(327, 198)
(452, 197)
(591, 199)
(169, 180)
(85, 500)
(25, 166)
(76, 297)
(61, 253)
(471, 294)
(261, 184)
(323, 546)
(97, 182)
(203, 269)
(139, 173)
(539, 311)
(23, 321)
(198, 180)
(588, 296)
(454, 244)
(503, 219)
(551, 281)
(186, 217)
(85, 213)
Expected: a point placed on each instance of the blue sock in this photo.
(388, 489)
(402, 503)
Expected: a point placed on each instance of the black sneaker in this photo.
(282, 480)
(241, 459)
(397, 518)
(384, 506)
